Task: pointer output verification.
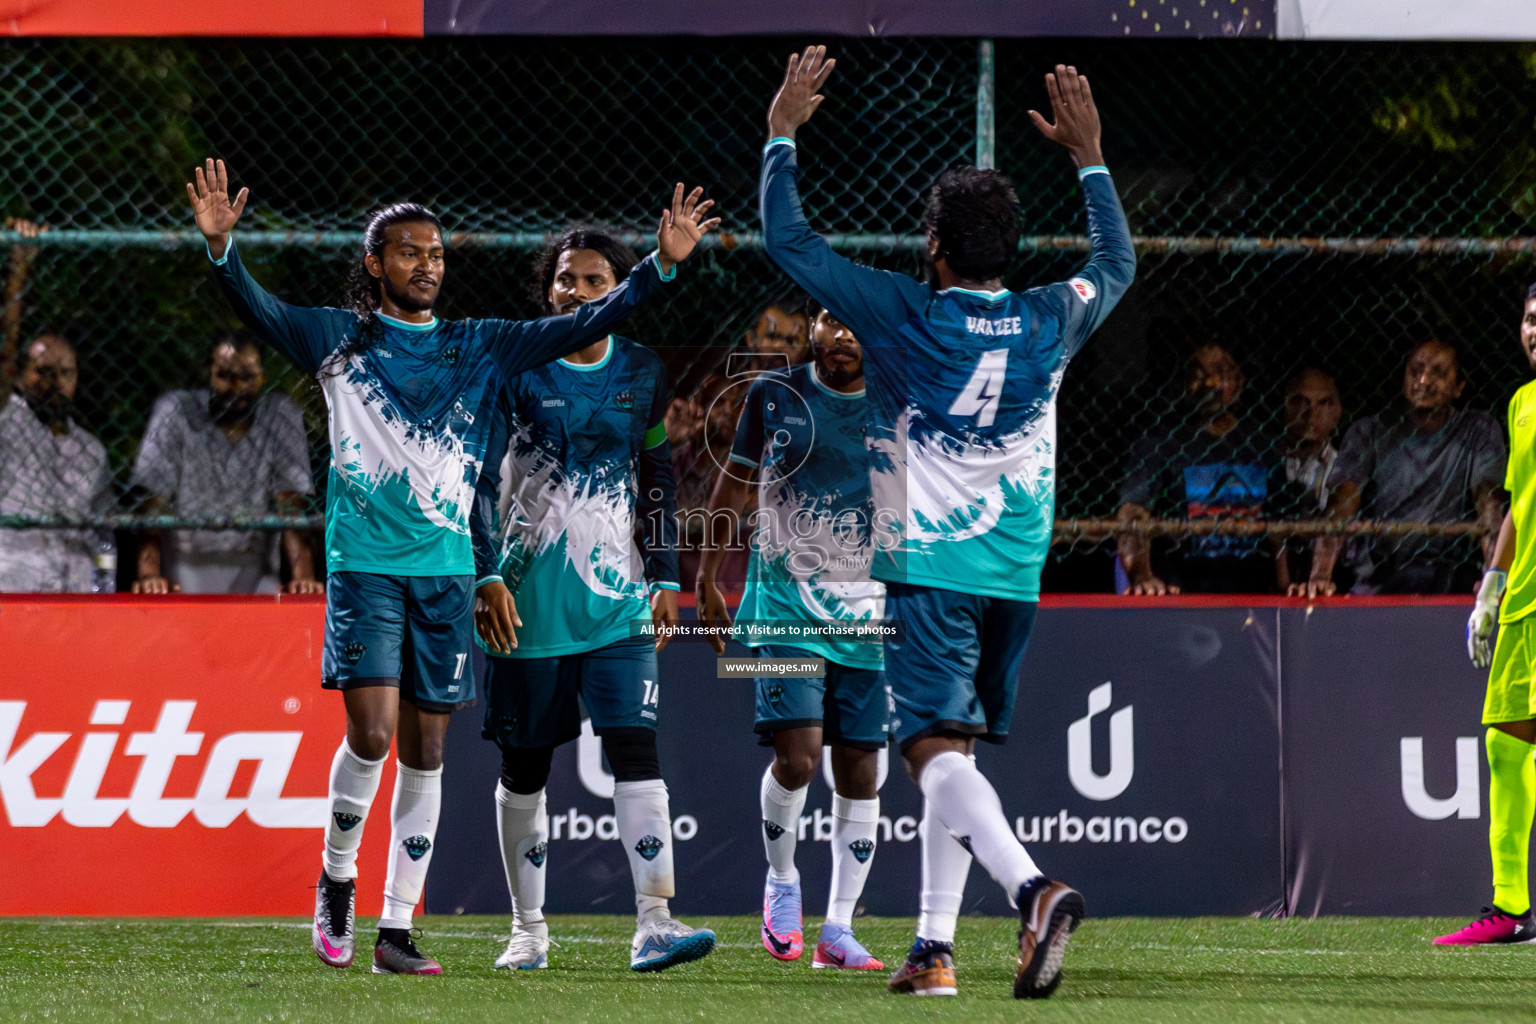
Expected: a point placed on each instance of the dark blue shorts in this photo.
(957, 668)
(851, 706)
(532, 702)
(414, 632)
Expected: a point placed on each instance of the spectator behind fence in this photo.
(1426, 462)
(1312, 414)
(781, 336)
(1212, 463)
(695, 464)
(50, 467)
(684, 419)
(222, 452)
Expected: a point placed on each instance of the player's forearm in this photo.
(482, 529)
(658, 515)
(1503, 555)
(1109, 236)
(523, 345)
(869, 301)
(272, 320)
(218, 245)
(788, 237)
(730, 497)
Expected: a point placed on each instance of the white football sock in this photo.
(781, 827)
(354, 783)
(945, 865)
(855, 828)
(967, 805)
(645, 829)
(522, 824)
(413, 826)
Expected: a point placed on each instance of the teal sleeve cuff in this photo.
(741, 460)
(663, 274)
(779, 140)
(667, 586)
(1094, 169)
(483, 580)
(222, 259)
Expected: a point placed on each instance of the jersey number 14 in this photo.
(985, 388)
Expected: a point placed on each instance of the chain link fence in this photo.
(1321, 205)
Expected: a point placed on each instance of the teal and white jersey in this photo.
(963, 391)
(585, 500)
(410, 414)
(811, 537)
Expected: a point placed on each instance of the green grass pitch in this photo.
(1332, 971)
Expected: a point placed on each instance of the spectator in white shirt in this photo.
(50, 468)
(222, 452)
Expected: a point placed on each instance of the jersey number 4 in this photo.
(984, 389)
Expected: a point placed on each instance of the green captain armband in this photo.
(655, 436)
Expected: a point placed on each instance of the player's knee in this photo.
(525, 770)
(858, 773)
(368, 740)
(428, 755)
(794, 768)
(632, 754)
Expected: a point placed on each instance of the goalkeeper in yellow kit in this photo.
(1509, 710)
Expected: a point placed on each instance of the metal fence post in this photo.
(986, 109)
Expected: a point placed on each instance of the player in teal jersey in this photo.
(803, 431)
(587, 545)
(409, 400)
(963, 376)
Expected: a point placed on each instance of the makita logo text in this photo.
(212, 806)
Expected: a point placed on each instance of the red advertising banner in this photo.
(193, 18)
(169, 757)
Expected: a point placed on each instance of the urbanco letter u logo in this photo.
(1464, 803)
(1122, 753)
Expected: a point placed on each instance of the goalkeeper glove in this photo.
(1485, 616)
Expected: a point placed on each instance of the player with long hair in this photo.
(410, 398)
(588, 535)
(963, 377)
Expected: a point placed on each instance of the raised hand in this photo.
(211, 206)
(1077, 118)
(799, 96)
(682, 226)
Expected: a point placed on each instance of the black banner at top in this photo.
(977, 18)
